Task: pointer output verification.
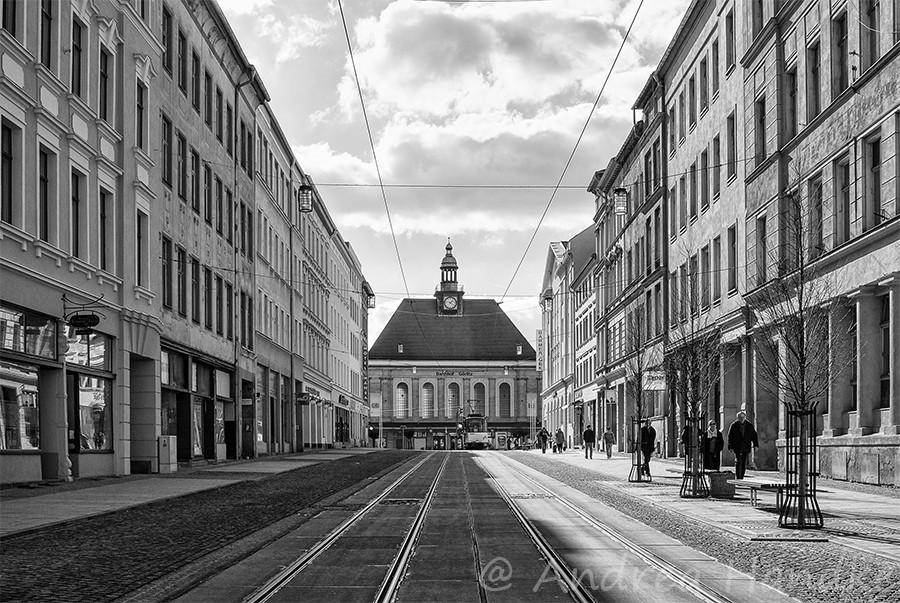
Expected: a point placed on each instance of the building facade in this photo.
(778, 116)
(438, 360)
(145, 181)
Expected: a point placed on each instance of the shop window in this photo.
(90, 413)
(90, 350)
(885, 351)
(19, 410)
(27, 333)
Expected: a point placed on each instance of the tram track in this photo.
(397, 568)
(569, 575)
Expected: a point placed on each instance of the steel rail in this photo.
(277, 582)
(578, 591)
(668, 569)
(391, 583)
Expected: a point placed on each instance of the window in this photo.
(673, 286)
(46, 32)
(791, 121)
(694, 191)
(854, 357)
(870, 15)
(704, 84)
(401, 410)
(714, 67)
(195, 81)
(104, 87)
(182, 62)
(220, 213)
(885, 400)
(77, 56)
(841, 55)
(896, 21)
(220, 305)
(208, 89)
(729, 40)
(872, 206)
(220, 116)
(19, 401)
(704, 277)
(694, 277)
(229, 129)
(167, 40)
(243, 145)
(142, 249)
(46, 164)
(813, 82)
(229, 212)
(10, 8)
(672, 124)
(195, 290)
(167, 272)
(207, 195)
(657, 236)
(207, 298)
(704, 180)
(757, 17)
(195, 180)
(692, 100)
(140, 101)
(732, 258)
(673, 214)
(91, 423)
(716, 269)
(681, 119)
(759, 120)
(842, 200)
(166, 150)
(685, 293)
(815, 217)
(682, 206)
(229, 314)
(76, 213)
(106, 230)
(181, 269)
(731, 139)
(716, 167)
(182, 167)
(762, 252)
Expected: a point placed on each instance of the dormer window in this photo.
(399, 348)
(519, 350)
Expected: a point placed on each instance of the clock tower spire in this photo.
(449, 293)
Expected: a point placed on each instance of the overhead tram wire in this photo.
(387, 210)
(574, 149)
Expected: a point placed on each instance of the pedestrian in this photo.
(741, 436)
(648, 445)
(589, 439)
(543, 436)
(609, 440)
(712, 443)
(560, 440)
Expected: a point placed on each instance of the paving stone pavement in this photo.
(832, 567)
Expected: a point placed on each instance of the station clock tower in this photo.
(449, 293)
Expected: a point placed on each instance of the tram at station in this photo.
(475, 432)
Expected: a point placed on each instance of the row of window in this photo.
(404, 409)
(697, 283)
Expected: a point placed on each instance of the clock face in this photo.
(450, 303)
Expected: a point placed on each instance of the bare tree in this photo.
(799, 353)
(692, 363)
(640, 362)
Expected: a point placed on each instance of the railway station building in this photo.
(440, 359)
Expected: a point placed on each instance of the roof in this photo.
(582, 248)
(482, 332)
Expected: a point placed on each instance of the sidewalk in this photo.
(861, 520)
(26, 511)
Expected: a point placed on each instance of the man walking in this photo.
(741, 436)
(648, 445)
(589, 438)
(609, 440)
(543, 435)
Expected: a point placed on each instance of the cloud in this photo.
(295, 34)
(234, 8)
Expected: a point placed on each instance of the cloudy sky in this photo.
(462, 94)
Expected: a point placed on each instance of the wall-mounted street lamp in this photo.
(304, 198)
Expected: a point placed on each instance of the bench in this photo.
(755, 485)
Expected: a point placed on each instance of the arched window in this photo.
(479, 398)
(428, 400)
(401, 408)
(453, 400)
(504, 400)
